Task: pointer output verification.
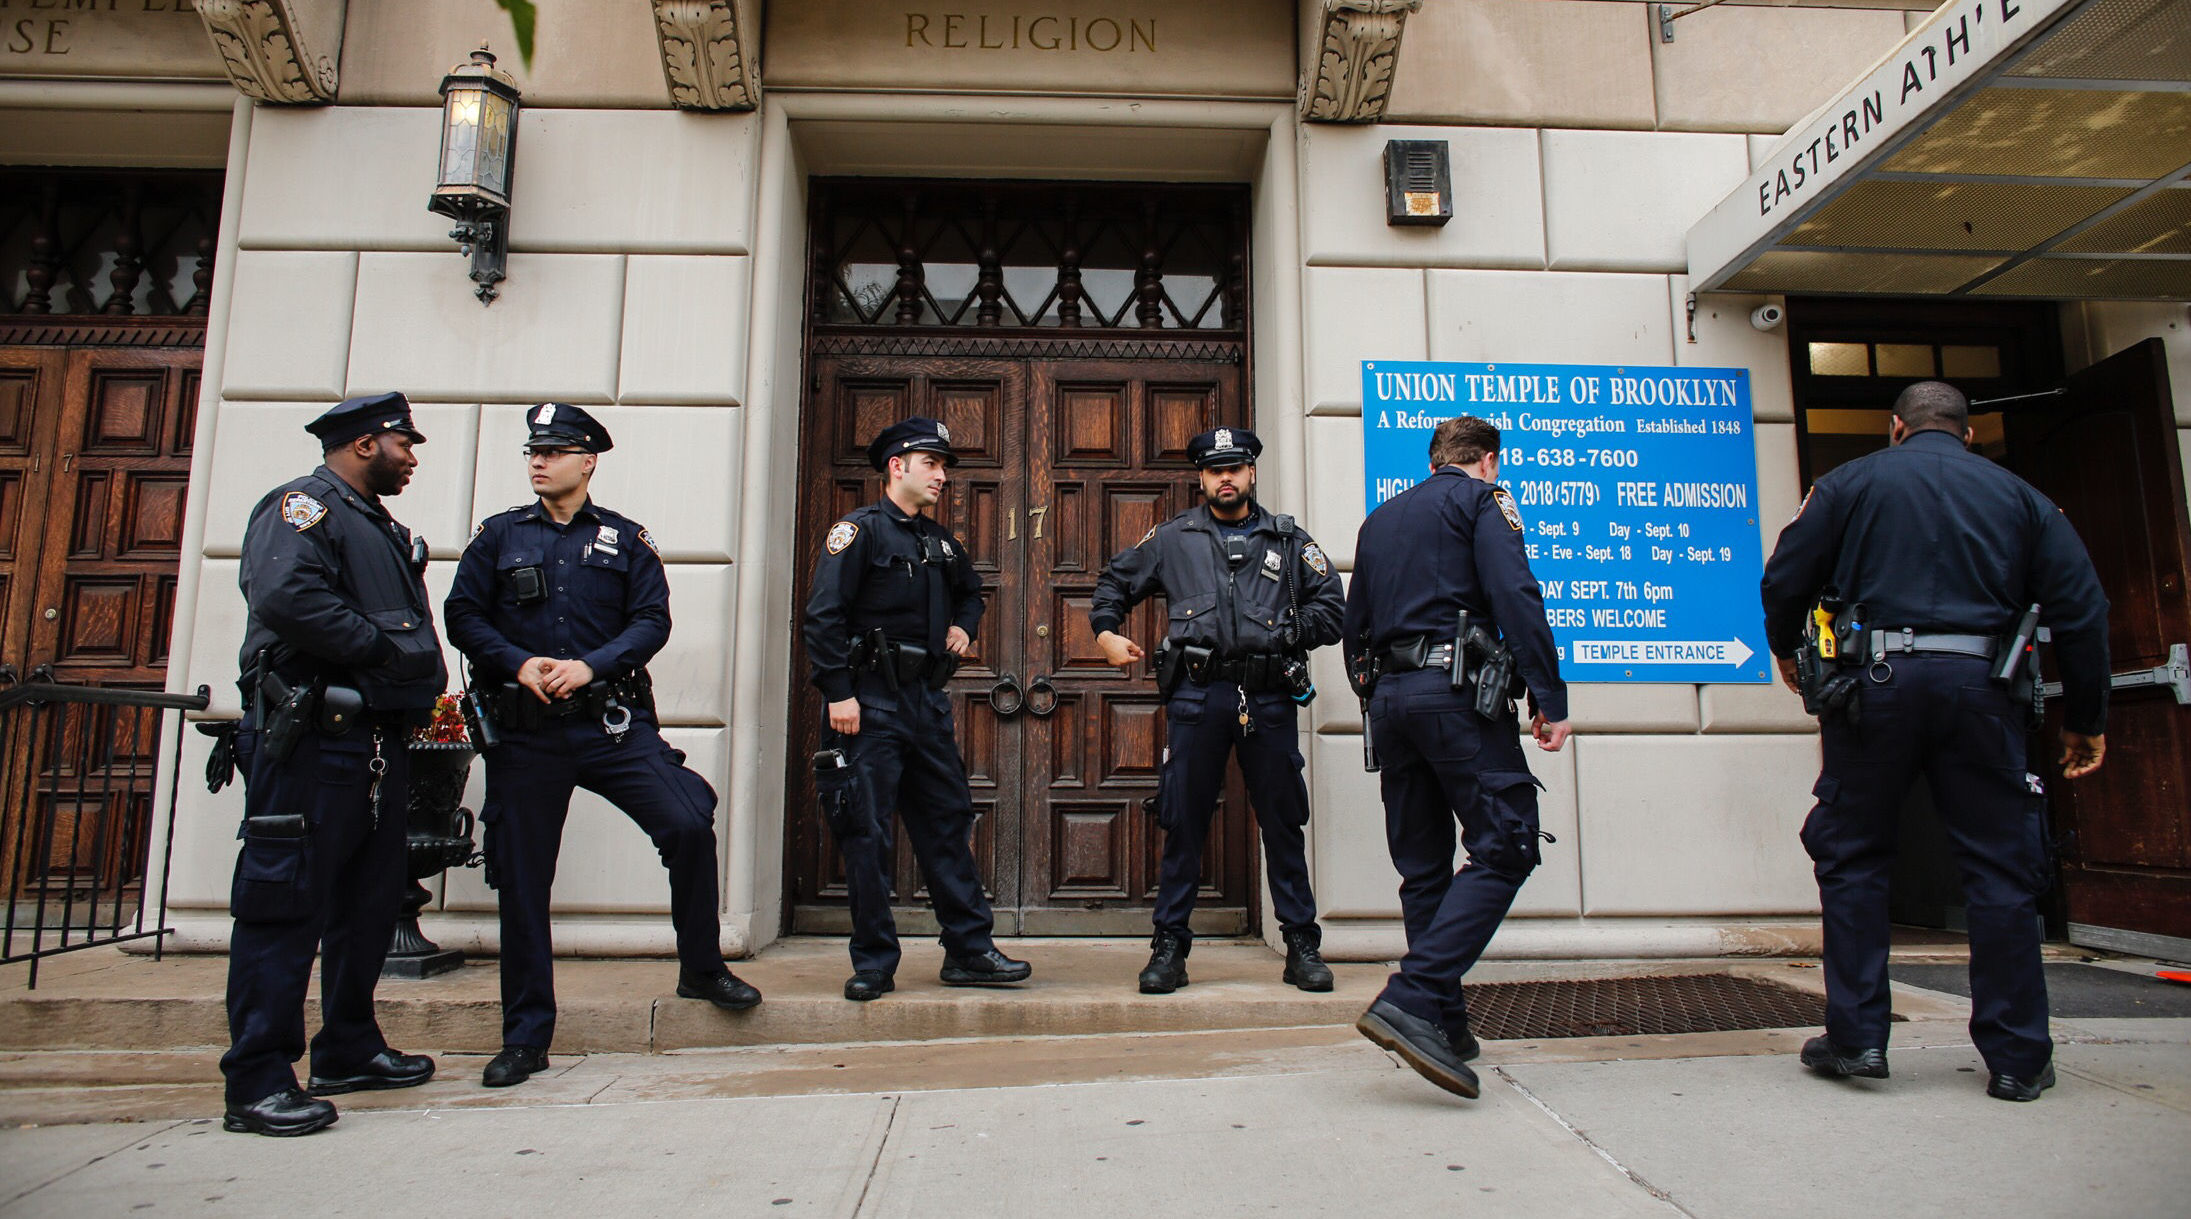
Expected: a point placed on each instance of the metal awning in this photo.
(2032, 149)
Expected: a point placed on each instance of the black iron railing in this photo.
(78, 801)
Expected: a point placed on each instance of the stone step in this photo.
(104, 999)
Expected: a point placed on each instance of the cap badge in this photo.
(943, 433)
(545, 415)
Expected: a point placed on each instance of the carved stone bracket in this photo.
(1358, 45)
(281, 51)
(708, 56)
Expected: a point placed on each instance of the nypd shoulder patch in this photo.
(302, 511)
(840, 536)
(1313, 555)
(646, 539)
(1145, 537)
(1506, 508)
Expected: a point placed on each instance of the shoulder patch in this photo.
(1506, 507)
(646, 539)
(1313, 555)
(479, 529)
(1805, 504)
(1145, 537)
(301, 510)
(840, 536)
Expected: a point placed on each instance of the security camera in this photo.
(1768, 317)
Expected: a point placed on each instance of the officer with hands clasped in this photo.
(558, 605)
(1909, 589)
(1444, 626)
(895, 604)
(1249, 594)
(340, 663)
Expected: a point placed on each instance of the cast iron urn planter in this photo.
(439, 835)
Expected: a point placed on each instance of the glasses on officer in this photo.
(549, 452)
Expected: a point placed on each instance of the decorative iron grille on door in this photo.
(1017, 254)
(109, 243)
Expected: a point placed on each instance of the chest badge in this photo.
(301, 510)
(1506, 508)
(948, 553)
(606, 535)
(840, 536)
(1270, 560)
(1313, 555)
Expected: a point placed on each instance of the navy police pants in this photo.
(1202, 730)
(1940, 717)
(906, 759)
(335, 891)
(530, 777)
(1442, 764)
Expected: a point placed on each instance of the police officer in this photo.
(1443, 607)
(896, 603)
(339, 663)
(1944, 552)
(559, 605)
(1249, 594)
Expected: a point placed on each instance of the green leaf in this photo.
(522, 19)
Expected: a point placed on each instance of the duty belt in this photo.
(1409, 656)
(515, 706)
(1910, 642)
(1254, 671)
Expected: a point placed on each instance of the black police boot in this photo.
(513, 1066)
(1167, 967)
(2004, 1086)
(1834, 1061)
(868, 984)
(1420, 1044)
(1464, 1043)
(724, 990)
(286, 1113)
(386, 1069)
(991, 968)
(1305, 966)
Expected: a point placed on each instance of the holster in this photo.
(1171, 667)
(285, 711)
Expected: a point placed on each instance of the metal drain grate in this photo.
(1626, 1007)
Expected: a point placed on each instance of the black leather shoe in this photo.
(1420, 1044)
(387, 1069)
(2004, 1086)
(1464, 1043)
(725, 990)
(1833, 1061)
(286, 1113)
(514, 1065)
(991, 968)
(868, 984)
(1167, 967)
(1305, 966)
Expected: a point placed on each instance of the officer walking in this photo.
(1444, 625)
(1934, 554)
(558, 605)
(1249, 595)
(896, 604)
(339, 663)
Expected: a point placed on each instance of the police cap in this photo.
(1225, 446)
(367, 415)
(559, 425)
(916, 435)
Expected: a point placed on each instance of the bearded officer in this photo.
(1249, 593)
(1441, 579)
(896, 603)
(559, 605)
(340, 663)
(1945, 551)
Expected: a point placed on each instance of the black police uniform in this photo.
(592, 589)
(1937, 541)
(336, 599)
(887, 587)
(1450, 543)
(1280, 599)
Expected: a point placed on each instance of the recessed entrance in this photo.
(1073, 337)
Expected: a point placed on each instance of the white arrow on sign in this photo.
(1662, 652)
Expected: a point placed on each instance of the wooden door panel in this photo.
(2108, 457)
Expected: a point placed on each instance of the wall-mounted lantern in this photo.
(1418, 182)
(478, 152)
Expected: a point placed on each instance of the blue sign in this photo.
(1638, 491)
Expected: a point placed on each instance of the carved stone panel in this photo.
(282, 51)
(710, 53)
(1355, 52)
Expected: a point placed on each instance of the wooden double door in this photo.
(95, 446)
(1065, 459)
